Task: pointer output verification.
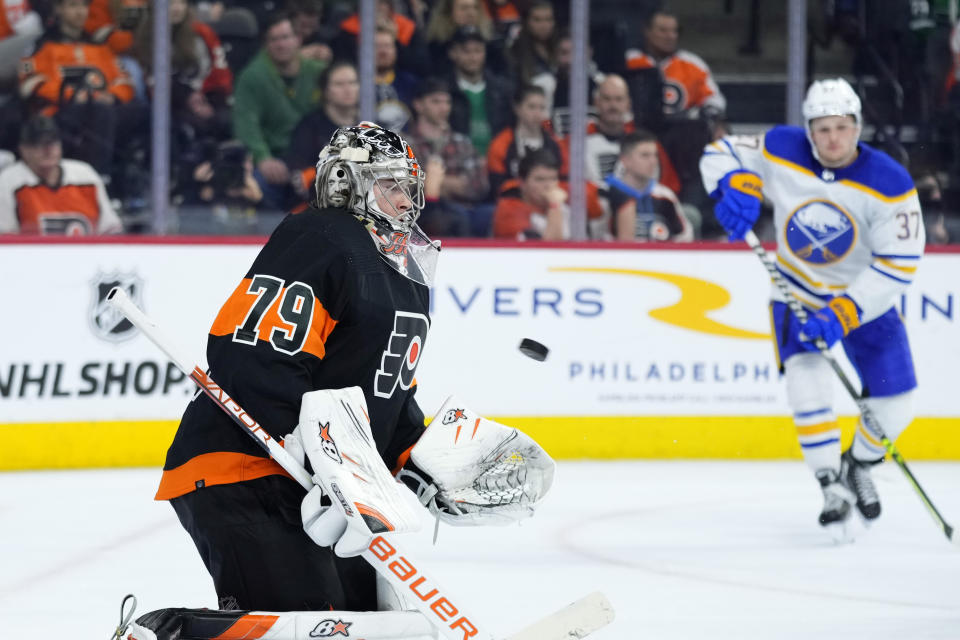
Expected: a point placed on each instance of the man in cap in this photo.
(45, 194)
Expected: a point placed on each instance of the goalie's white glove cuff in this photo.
(294, 446)
(323, 523)
(326, 525)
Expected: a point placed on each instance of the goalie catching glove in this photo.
(469, 470)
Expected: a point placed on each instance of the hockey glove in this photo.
(468, 470)
(740, 194)
(364, 499)
(834, 321)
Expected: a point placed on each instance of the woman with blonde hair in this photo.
(450, 15)
(202, 81)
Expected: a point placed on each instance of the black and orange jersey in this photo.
(658, 213)
(102, 27)
(57, 59)
(76, 206)
(318, 309)
(687, 81)
(504, 155)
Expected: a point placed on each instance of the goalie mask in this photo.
(373, 173)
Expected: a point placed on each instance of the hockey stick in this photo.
(383, 554)
(869, 419)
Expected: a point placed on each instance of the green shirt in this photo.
(267, 107)
(480, 133)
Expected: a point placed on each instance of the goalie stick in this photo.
(870, 420)
(404, 574)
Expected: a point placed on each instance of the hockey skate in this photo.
(837, 500)
(855, 475)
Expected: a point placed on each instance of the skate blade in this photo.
(839, 532)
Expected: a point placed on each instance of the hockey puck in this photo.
(533, 349)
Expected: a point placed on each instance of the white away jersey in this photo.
(856, 230)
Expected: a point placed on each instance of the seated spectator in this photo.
(450, 15)
(395, 87)
(644, 209)
(692, 105)
(481, 99)
(412, 54)
(314, 37)
(440, 218)
(113, 22)
(223, 178)
(689, 88)
(20, 26)
(47, 195)
(273, 94)
(534, 207)
(529, 134)
(82, 83)
(505, 18)
(942, 223)
(557, 86)
(202, 84)
(613, 121)
(434, 141)
(341, 97)
(535, 50)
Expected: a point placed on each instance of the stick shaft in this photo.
(869, 419)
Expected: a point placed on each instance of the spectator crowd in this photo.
(479, 88)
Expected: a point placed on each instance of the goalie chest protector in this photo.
(318, 309)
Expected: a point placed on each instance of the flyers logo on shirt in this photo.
(674, 96)
(399, 360)
(820, 232)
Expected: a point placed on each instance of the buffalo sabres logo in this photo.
(328, 445)
(108, 323)
(452, 415)
(819, 232)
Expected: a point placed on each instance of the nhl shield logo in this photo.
(108, 323)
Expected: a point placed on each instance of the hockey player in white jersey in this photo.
(849, 238)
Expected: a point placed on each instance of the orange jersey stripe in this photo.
(235, 310)
(210, 469)
(815, 429)
(248, 627)
(402, 459)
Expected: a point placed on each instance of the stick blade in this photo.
(576, 620)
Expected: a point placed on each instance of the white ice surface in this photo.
(718, 550)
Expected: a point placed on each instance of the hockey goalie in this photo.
(319, 343)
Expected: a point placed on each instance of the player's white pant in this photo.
(809, 379)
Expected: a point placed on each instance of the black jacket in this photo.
(498, 97)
